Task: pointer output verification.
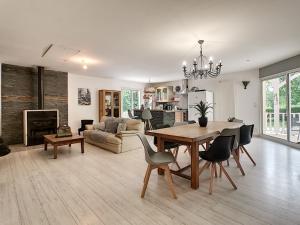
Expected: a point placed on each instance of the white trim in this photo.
(281, 141)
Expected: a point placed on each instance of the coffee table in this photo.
(53, 140)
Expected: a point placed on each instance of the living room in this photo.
(147, 112)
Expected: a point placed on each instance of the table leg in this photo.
(82, 146)
(55, 151)
(70, 145)
(195, 165)
(45, 145)
(160, 148)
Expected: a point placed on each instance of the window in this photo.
(281, 107)
(131, 99)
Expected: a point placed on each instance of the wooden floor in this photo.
(100, 187)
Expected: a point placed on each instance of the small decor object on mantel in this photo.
(203, 108)
(84, 96)
(64, 131)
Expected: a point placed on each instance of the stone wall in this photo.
(19, 92)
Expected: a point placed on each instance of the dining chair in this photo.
(147, 116)
(157, 160)
(246, 133)
(131, 116)
(168, 145)
(236, 133)
(218, 152)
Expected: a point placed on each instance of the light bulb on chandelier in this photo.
(201, 67)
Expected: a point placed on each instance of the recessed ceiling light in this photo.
(85, 67)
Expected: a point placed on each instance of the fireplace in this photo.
(38, 123)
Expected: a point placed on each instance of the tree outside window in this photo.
(130, 100)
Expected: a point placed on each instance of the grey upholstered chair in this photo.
(147, 116)
(157, 160)
(131, 116)
(235, 149)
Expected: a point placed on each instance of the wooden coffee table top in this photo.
(53, 139)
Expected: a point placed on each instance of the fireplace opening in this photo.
(38, 123)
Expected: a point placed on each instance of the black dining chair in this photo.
(168, 145)
(218, 152)
(235, 148)
(246, 133)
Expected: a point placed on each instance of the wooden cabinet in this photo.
(109, 103)
(164, 94)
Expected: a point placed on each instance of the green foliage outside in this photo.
(295, 96)
(130, 99)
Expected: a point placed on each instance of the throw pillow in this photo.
(121, 127)
(89, 127)
(111, 125)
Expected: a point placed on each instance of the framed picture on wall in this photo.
(84, 96)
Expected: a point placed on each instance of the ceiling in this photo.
(141, 39)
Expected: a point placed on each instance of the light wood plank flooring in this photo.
(100, 187)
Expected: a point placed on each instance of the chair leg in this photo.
(146, 180)
(175, 154)
(220, 172)
(227, 162)
(238, 162)
(169, 181)
(247, 153)
(228, 177)
(212, 169)
(216, 173)
(176, 150)
(204, 167)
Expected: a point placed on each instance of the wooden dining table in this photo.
(191, 135)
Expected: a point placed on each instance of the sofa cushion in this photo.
(111, 125)
(100, 126)
(133, 124)
(99, 136)
(121, 127)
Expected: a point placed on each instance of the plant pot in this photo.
(202, 121)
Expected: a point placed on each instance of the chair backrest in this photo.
(86, 122)
(130, 114)
(232, 132)
(246, 132)
(160, 126)
(221, 148)
(146, 114)
(147, 148)
(237, 120)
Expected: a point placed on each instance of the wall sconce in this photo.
(245, 83)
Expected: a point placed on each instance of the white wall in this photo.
(230, 97)
(78, 112)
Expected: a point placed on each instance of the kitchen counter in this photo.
(164, 117)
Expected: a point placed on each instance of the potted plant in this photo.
(203, 108)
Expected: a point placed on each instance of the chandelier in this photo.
(202, 68)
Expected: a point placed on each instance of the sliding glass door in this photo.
(275, 107)
(281, 107)
(295, 106)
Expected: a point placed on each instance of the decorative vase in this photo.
(202, 121)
